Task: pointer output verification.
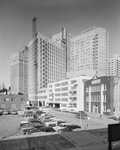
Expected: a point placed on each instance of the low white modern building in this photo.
(64, 94)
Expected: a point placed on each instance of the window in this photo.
(87, 89)
(95, 98)
(42, 91)
(104, 108)
(104, 98)
(64, 83)
(63, 105)
(57, 99)
(57, 94)
(64, 99)
(64, 94)
(50, 90)
(73, 81)
(95, 88)
(58, 89)
(64, 89)
(58, 84)
(50, 86)
(42, 97)
(105, 87)
(87, 98)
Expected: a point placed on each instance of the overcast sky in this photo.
(76, 15)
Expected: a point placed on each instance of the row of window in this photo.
(63, 83)
(61, 89)
(95, 98)
(42, 91)
(96, 88)
(12, 99)
(42, 97)
(59, 99)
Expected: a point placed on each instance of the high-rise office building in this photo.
(46, 63)
(19, 71)
(114, 65)
(90, 51)
(64, 39)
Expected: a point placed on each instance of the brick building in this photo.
(12, 101)
(102, 95)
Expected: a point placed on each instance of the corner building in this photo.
(46, 64)
(90, 51)
(102, 95)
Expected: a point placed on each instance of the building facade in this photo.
(64, 94)
(46, 64)
(19, 72)
(90, 50)
(114, 65)
(13, 101)
(64, 39)
(102, 95)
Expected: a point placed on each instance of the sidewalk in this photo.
(106, 118)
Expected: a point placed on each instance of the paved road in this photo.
(9, 125)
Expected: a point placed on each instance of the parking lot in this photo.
(9, 124)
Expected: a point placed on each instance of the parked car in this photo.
(51, 124)
(61, 126)
(14, 112)
(23, 123)
(72, 109)
(35, 121)
(6, 112)
(64, 130)
(82, 115)
(60, 121)
(32, 128)
(73, 127)
(1, 112)
(69, 128)
(47, 129)
(47, 120)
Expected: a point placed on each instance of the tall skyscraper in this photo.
(46, 63)
(64, 39)
(19, 71)
(90, 50)
(114, 65)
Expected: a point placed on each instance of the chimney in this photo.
(34, 27)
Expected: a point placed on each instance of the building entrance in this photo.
(95, 109)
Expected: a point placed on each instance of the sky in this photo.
(52, 15)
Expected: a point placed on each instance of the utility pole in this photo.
(80, 120)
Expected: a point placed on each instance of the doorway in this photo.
(95, 108)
